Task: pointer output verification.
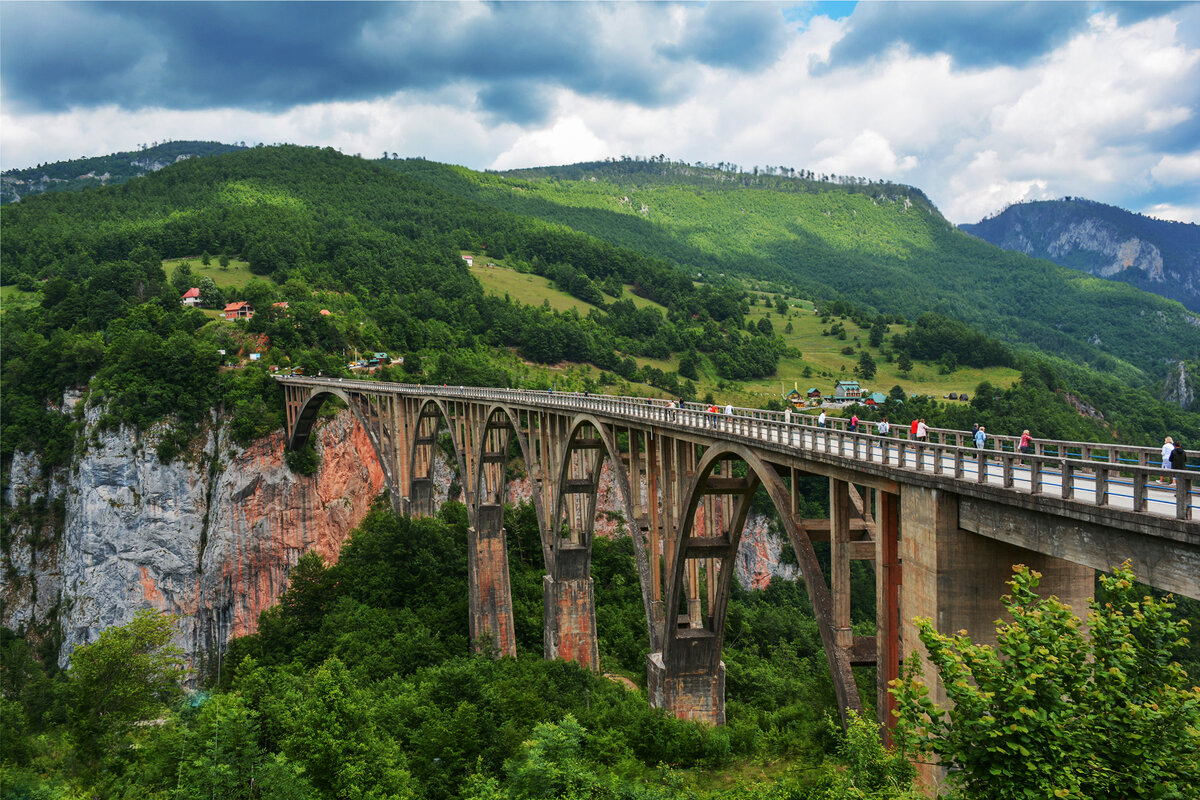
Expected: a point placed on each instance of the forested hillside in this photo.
(1156, 255)
(881, 245)
(87, 296)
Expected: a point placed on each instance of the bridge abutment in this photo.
(957, 579)
(489, 586)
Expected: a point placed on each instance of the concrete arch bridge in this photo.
(940, 521)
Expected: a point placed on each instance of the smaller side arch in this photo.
(306, 419)
(426, 426)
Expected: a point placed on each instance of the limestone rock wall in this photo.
(210, 537)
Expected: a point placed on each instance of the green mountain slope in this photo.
(880, 245)
(380, 246)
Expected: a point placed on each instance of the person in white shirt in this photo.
(821, 419)
(883, 427)
(1168, 446)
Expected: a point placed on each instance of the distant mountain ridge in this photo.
(1156, 255)
(107, 170)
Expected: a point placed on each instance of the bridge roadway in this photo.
(940, 521)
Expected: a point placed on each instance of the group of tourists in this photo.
(1173, 457)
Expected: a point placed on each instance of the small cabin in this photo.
(470, 260)
(191, 297)
(875, 399)
(814, 393)
(239, 310)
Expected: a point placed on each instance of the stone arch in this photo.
(491, 475)
(422, 451)
(688, 675)
(306, 420)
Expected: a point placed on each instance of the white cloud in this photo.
(567, 141)
(1083, 120)
(1174, 213)
(1175, 170)
(869, 153)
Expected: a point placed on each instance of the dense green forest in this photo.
(881, 245)
(358, 684)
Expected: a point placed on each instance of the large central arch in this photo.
(687, 676)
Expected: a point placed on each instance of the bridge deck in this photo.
(1100, 475)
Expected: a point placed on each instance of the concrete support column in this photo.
(956, 578)
(569, 605)
(488, 582)
(888, 579)
(695, 695)
(839, 550)
(421, 502)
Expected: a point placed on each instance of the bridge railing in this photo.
(1106, 475)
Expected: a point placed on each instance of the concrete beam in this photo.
(1171, 564)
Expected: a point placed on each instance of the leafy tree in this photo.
(1060, 710)
(205, 258)
(765, 328)
(223, 260)
(211, 295)
(905, 363)
(128, 676)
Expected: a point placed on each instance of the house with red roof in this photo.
(191, 297)
(239, 310)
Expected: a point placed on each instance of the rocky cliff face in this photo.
(1180, 387)
(211, 537)
(1156, 255)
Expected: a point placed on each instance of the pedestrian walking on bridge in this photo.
(1178, 459)
(1167, 448)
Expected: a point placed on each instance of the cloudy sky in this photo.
(979, 104)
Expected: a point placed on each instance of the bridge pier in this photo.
(956, 578)
(421, 502)
(488, 583)
(569, 604)
(688, 688)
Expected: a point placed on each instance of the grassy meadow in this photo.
(821, 355)
(236, 275)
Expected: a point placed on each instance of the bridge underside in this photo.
(686, 482)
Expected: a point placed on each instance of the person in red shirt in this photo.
(912, 431)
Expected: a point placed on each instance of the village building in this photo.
(847, 390)
(191, 297)
(875, 399)
(470, 260)
(239, 310)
